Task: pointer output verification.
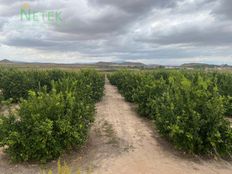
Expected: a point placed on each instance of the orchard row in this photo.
(188, 108)
(55, 113)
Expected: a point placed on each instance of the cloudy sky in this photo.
(149, 31)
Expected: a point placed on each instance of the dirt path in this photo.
(121, 142)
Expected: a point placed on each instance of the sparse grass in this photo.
(65, 169)
(108, 129)
(97, 132)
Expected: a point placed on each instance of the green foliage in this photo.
(228, 105)
(224, 82)
(52, 121)
(128, 83)
(187, 108)
(95, 82)
(1, 98)
(15, 84)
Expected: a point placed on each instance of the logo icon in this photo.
(25, 6)
(28, 14)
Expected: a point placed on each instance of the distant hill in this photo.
(138, 64)
(155, 66)
(204, 65)
(111, 65)
(5, 61)
(100, 65)
(128, 64)
(226, 66)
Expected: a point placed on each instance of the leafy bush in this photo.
(228, 106)
(1, 98)
(15, 84)
(186, 108)
(224, 82)
(191, 116)
(51, 121)
(128, 83)
(94, 81)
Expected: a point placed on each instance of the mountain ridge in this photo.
(119, 64)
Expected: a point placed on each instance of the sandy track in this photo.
(146, 152)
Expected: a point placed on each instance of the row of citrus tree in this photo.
(15, 84)
(187, 107)
(54, 115)
(223, 81)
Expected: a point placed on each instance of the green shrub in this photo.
(228, 105)
(191, 116)
(51, 121)
(224, 81)
(94, 81)
(48, 123)
(129, 83)
(186, 107)
(15, 84)
(1, 98)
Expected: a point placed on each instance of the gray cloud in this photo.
(111, 21)
(136, 6)
(2, 22)
(224, 9)
(32, 43)
(210, 36)
(116, 17)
